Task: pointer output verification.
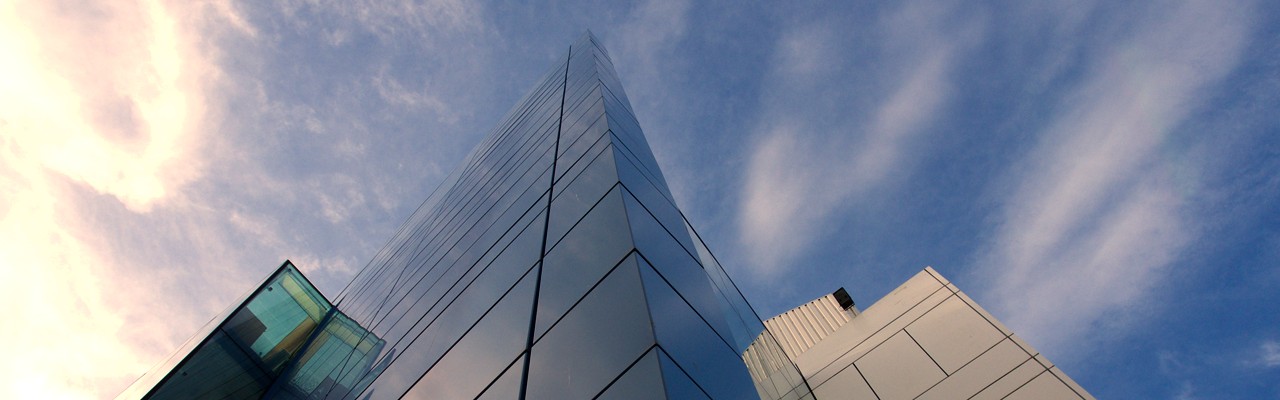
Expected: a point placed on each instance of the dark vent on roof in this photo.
(843, 298)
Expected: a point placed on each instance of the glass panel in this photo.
(247, 350)
(339, 355)
(660, 207)
(152, 377)
(676, 265)
(626, 153)
(577, 122)
(741, 318)
(575, 146)
(515, 255)
(220, 369)
(642, 381)
(277, 321)
(590, 249)
(573, 199)
(507, 386)
(687, 338)
(679, 385)
(482, 354)
(594, 342)
(573, 161)
(444, 332)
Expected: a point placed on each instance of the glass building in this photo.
(552, 264)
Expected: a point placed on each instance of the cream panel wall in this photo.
(925, 340)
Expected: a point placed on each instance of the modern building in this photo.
(925, 340)
(552, 264)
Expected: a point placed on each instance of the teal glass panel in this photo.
(246, 349)
(339, 359)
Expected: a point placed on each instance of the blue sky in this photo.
(1104, 177)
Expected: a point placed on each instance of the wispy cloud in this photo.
(814, 158)
(108, 95)
(143, 178)
(1270, 353)
(1094, 219)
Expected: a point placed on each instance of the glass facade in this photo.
(552, 264)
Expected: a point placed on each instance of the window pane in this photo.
(578, 261)
(643, 381)
(594, 342)
(688, 340)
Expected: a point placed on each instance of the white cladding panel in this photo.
(799, 329)
(925, 340)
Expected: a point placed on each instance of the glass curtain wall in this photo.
(552, 264)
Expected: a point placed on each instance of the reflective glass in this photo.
(148, 380)
(649, 172)
(591, 248)
(483, 353)
(741, 318)
(679, 385)
(425, 297)
(334, 361)
(574, 147)
(574, 198)
(676, 265)
(657, 206)
(444, 331)
(573, 161)
(688, 340)
(460, 255)
(220, 369)
(507, 386)
(594, 342)
(642, 381)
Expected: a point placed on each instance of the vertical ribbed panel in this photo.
(799, 329)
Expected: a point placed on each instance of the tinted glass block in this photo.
(245, 351)
(336, 359)
(679, 385)
(591, 248)
(148, 380)
(594, 342)
(688, 339)
(642, 381)
(218, 370)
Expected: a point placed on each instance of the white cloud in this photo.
(104, 95)
(1094, 222)
(809, 165)
(1270, 353)
(133, 207)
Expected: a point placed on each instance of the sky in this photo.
(1102, 176)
